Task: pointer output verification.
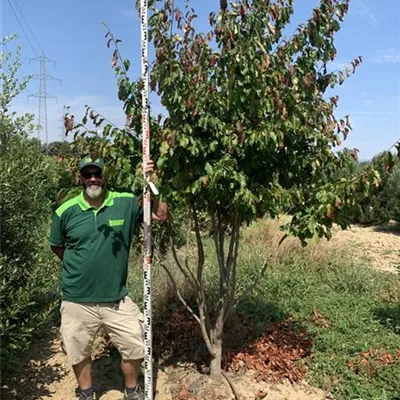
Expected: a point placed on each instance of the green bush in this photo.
(28, 272)
(29, 180)
(392, 193)
(379, 207)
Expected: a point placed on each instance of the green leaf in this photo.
(127, 64)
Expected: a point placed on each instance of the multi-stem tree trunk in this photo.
(211, 320)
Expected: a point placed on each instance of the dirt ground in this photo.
(378, 246)
(47, 374)
(375, 246)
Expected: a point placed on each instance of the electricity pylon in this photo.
(42, 94)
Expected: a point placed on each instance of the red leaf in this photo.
(114, 59)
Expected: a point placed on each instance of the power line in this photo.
(26, 22)
(23, 30)
(42, 95)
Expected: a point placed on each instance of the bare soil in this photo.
(377, 246)
(47, 375)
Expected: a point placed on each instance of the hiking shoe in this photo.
(83, 397)
(136, 395)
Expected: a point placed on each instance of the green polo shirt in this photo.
(97, 243)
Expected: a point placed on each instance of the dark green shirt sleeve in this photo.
(57, 237)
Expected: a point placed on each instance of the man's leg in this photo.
(130, 370)
(123, 322)
(79, 325)
(83, 373)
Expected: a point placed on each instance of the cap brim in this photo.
(90, 165)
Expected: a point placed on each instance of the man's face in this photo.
(93, 182)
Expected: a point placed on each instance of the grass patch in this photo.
(351, 311)
(359, 314)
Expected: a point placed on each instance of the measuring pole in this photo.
(148, 358)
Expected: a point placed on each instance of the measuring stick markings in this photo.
(147, 309)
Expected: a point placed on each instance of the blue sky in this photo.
(71, 34)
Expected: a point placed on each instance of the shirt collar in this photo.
(84, 205)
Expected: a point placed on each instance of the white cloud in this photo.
(375, 113)
(387, 56)
(363, 10)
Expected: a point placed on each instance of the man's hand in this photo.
(148, 167)
(160, 211)
(160, 208)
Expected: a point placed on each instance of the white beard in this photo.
(94, 191)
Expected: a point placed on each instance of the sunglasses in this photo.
(88, 175)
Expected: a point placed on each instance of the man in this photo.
(91, 234)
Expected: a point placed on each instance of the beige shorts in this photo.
(122, 321)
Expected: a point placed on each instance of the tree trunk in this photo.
(216, 342)
(216, 360)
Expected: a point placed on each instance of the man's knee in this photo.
(125, 327)
(77, 331)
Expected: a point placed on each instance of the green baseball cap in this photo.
(91, 159)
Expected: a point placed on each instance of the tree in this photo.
(375, 208)
(59, 148)
(392, 193)
(249, 132)
(11, 125)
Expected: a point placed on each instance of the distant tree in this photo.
(374, 209)
(11, 124)
(392, 193)
(59, 148)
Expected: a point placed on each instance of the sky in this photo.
(72, 34)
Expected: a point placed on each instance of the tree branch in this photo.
(188, 232)
(189, 276)
(233, 244)
(216, 236)
(203, 318)
(179, 294)
(203, 312)
(233, 266)
(116, 45)
(221, 236)
(200, 248)
(204, 322)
